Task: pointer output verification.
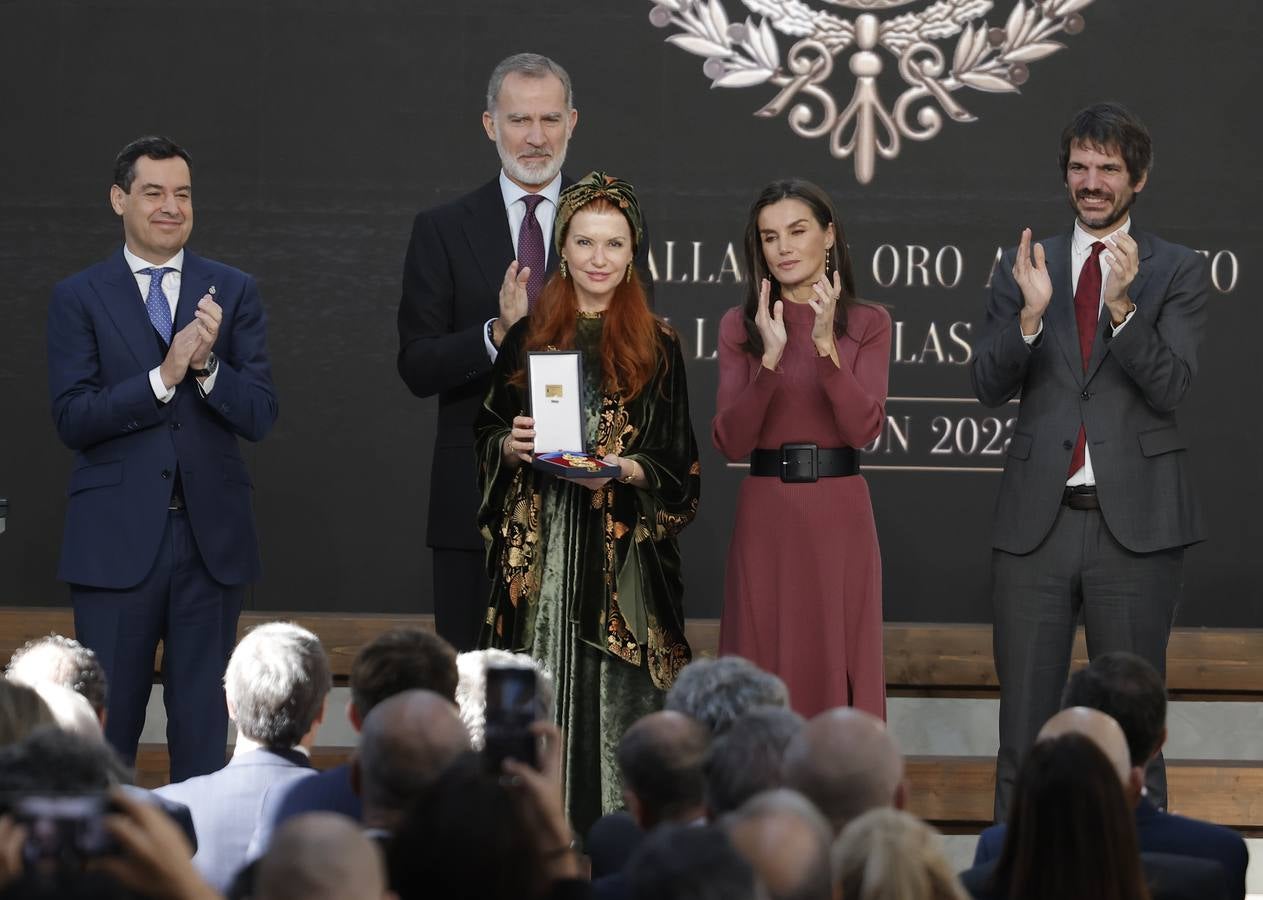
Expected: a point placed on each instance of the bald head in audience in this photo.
(786, 841)
(321, 856)
(660, 758)
(1108, 736)
(408, 739)
(846, 763)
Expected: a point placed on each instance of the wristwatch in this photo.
(212, 363)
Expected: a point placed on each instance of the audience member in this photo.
(1128, 689)
(50, 760)
(1070, 832)
(62, 661)
(407, 741)
(69, 679)
(887, 854)
(786, 841)
(717, 692)
(846, 763)
(748, 758)
(70, 711)
(660, 759)
(321, 856)
(276, 685)
(679, 862)
(479, 835)
(400, 660)
(471, 690)
(21, 712)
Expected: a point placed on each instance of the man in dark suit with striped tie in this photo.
(157, 365)
(1097, 330)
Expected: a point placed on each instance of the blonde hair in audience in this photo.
(887, 854)
(22, 710)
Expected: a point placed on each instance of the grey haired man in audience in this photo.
(716, 692)
(276, 685)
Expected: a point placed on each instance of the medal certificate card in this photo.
(555, 385)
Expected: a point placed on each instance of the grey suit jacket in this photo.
(226, 804)
(1126, 399)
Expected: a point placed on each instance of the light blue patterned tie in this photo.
(156, 302)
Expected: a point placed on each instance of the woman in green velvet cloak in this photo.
(586, 572)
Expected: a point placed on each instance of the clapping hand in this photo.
(824, 304)
(771, 326)
(1032, 278)
(1123, 259)
(514, 302)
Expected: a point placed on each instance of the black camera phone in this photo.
(63, 829)
(511, 707)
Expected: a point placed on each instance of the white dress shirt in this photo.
(1080, 249)
(515, 209)
(170, 290)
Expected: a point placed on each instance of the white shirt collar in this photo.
(512, 193)
(135, 263)
(1082, 241)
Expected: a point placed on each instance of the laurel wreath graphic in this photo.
(747, 53)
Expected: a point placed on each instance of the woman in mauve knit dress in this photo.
(803, 363)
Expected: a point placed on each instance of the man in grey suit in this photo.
(1098, 331)
(277, 682)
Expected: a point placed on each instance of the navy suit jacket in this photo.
(328, 791)
(226, 805)
(1162, 832)
(128, 446)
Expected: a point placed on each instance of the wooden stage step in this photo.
(922, 659)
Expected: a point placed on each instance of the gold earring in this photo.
(629, 272)
(562, 267)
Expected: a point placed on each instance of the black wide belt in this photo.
(1081, 496)
(803, 463)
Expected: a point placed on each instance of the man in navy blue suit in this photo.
(157, 364)
(1129, 690)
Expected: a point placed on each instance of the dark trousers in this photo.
(195, 618)
(1127, 601)
(461, 593)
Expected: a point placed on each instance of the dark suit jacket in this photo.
(128, 446)
(225, 807)
(1126, 400)
(1169, 877)
(1162, 832)
(452, 274)
(328, 791)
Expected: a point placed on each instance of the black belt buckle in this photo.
(798, 463)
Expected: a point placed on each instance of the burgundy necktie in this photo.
(1087, 311)
(530, 247)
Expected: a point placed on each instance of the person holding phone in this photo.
(586, 572)
(803, 369)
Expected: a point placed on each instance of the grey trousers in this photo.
(1127, 601)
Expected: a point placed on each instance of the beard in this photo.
(543, 170)
(1115, 214)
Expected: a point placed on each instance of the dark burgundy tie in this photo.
(530, 247)
(1087, 311)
